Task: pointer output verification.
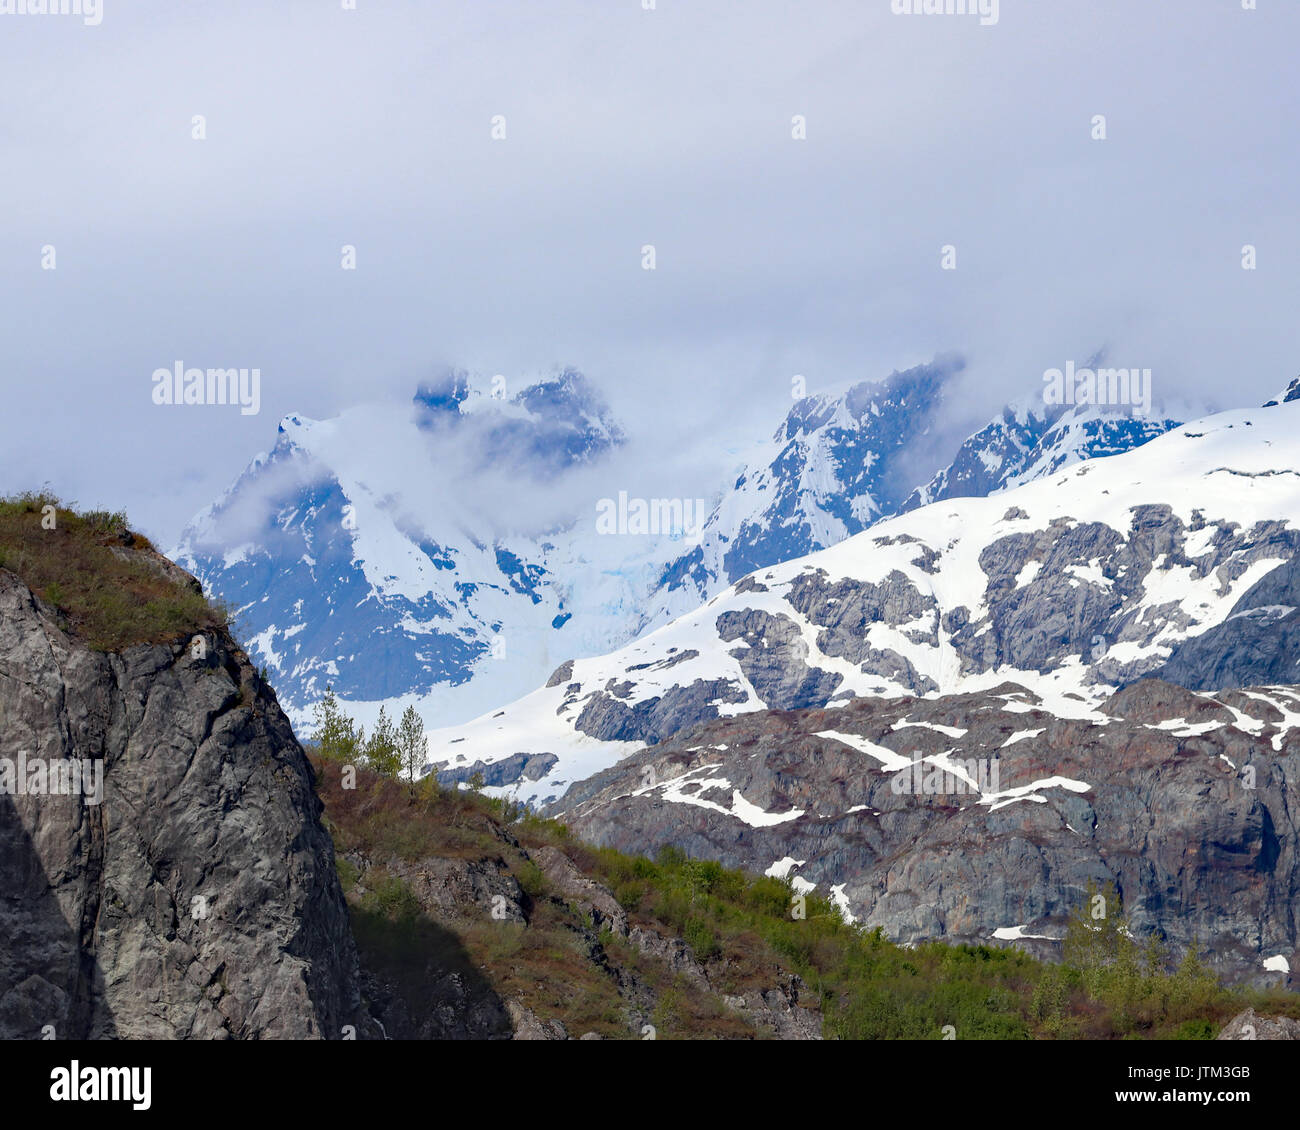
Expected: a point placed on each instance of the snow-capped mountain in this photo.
(829, 471)
(375, 552)
(1029, 441)
(1288, 394)
(446, 551)
(1072, 586)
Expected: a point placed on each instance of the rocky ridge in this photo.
(982, 817)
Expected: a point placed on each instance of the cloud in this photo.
(624, 127)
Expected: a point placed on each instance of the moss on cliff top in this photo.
(109, 586)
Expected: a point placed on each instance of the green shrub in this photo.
(531, 879)
(348, 872)
(391, 898)
(702, 940)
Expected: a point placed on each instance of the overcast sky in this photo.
(624, 127)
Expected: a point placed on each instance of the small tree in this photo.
(382, 753)
(336, 736)
(1193, 987)
(1097, 936)
(412, 744)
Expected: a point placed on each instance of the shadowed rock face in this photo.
(773, 659)
(1187, 802)
(528, 766)
(608, 718)
(199, 899)
(1259, 642)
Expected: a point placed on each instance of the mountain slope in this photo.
(829, 471)
(1072, 586)
(982, 818)
(1027, 443)
(446, 551)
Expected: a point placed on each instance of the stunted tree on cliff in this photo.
(412, 744)
(382, 753)
(336, 736)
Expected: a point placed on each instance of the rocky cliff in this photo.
(982, 818)
(187, 888)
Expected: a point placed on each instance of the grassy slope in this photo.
(740, 926)
(109, 599)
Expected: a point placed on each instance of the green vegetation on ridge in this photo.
(79, 563)
(743, 930)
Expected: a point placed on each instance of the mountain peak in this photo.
(1029, 439)
(1288, 394)
(445, 393)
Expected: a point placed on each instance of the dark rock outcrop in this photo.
(198, 898)
(606, 717)
(1258, 644)
(522, 766)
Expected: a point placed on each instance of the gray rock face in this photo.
(562, 674)
(1290, 393)
(1076, 590)
(199, 899)
(606, 717)
(529, 1026)
(1259, 642)
(970, 816)
(780, 1012)
(525, 766)
(773, 657)
(577, 889)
